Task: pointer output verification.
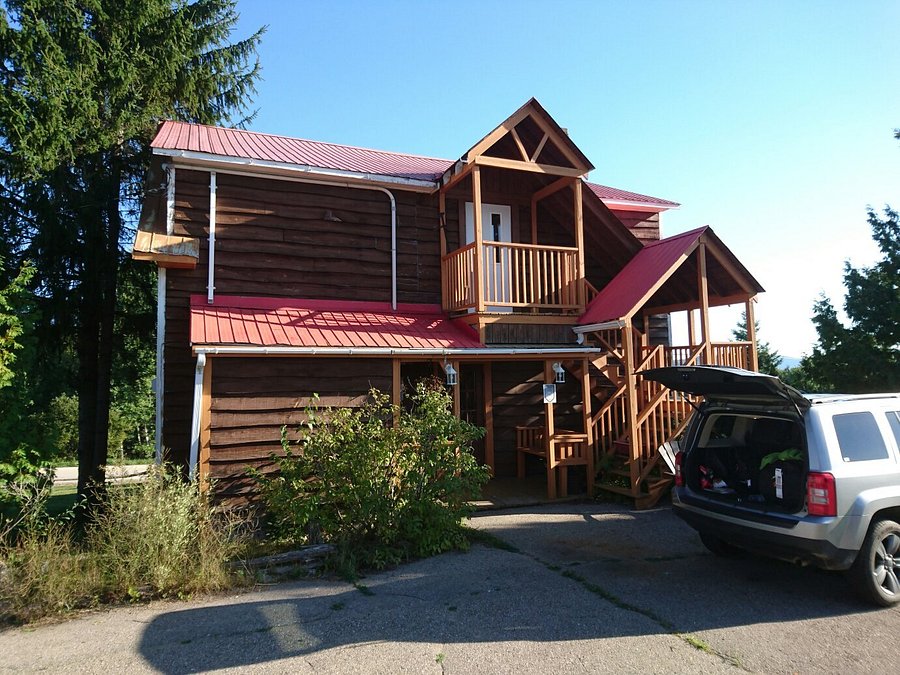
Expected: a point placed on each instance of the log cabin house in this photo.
(289, 268)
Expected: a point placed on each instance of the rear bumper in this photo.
(784, 544)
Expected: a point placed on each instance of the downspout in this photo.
(393, 245)
(196, 416)
(161, 317)
(211, 270)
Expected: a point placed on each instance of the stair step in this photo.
(617, 489)
(625, 472)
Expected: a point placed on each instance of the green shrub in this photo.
(380, 491)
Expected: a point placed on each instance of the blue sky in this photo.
(770, 121)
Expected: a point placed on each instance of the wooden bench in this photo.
(569, 448)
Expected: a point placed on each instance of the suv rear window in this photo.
(859, 437)
(894, 419)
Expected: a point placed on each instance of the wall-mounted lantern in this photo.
(560, 373)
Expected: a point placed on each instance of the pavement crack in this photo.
(612, 598)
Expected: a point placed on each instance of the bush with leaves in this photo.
(381, 483)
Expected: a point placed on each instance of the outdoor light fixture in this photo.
(451, 374)
(560, 373)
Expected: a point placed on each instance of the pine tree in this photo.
(769, 359)
(84, 86)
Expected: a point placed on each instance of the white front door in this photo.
(496, 223)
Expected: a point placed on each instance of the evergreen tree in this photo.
(863, 356)
(84, 86)
(769, 359)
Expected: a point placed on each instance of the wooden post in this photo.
(579, 242)
(488, 388)
(479, 239)
(632, 411)
(205, 425)
(645, 338)
(395, 389)
(549, 378)
(704, 303)
(588, 429)
(692, 329)
(751, 335)
(442, 220)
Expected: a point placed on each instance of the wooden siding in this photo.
(253, 397)
(529, 334)
(643, 224)
(273, 239)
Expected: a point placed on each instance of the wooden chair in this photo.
(568, 448)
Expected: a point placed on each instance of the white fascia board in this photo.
(622, 205)
(605, 325)
(276, 169)
(255, 350)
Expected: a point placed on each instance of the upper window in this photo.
(859, 437)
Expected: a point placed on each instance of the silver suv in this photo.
(808, 478)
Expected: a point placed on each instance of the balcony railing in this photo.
(513, 276)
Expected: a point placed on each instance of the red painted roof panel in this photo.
(253, 145)
(630, 287)
(279, 322)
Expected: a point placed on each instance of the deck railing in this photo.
(515, 276)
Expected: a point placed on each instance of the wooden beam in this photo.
(519, 145)
(632, 406)
(457, 177)
(550, 169)
(488, 388)
(549, 430)
(704, 302)
(692, 328)
(552, 188)
(479, 238)
(722, 258)
(663, 278)
(580, 291)
(751, 335)
(714, 301)
(498, 133)
(537, 150)
(588, 427)
(562, 145)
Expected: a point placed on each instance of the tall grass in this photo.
(157, 538)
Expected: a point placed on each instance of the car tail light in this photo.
(821, 499)
(679, 479)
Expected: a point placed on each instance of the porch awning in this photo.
(326, 324)
(662, 278)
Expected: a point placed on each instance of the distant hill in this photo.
(789, 362)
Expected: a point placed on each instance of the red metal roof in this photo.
(270, 148)
(280, 322)
(254, 145)
(632, 287)
(606, 193)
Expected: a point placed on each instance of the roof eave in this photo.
(210, 161)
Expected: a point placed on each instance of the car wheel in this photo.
(876, 572)
(718, 546)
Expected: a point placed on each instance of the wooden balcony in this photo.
(514, 277)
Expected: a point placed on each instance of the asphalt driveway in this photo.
(580, 588)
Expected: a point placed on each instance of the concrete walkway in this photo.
(583, 588)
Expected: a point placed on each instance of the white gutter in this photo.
(196, 416)
(605, 325)
(205, 157)
(232, 350)
(161, 317)
(295, 179)
(211, 267)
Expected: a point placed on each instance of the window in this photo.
(894, 420)
(859, 437)
(496, 222)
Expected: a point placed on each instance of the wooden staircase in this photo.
(636, 418)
